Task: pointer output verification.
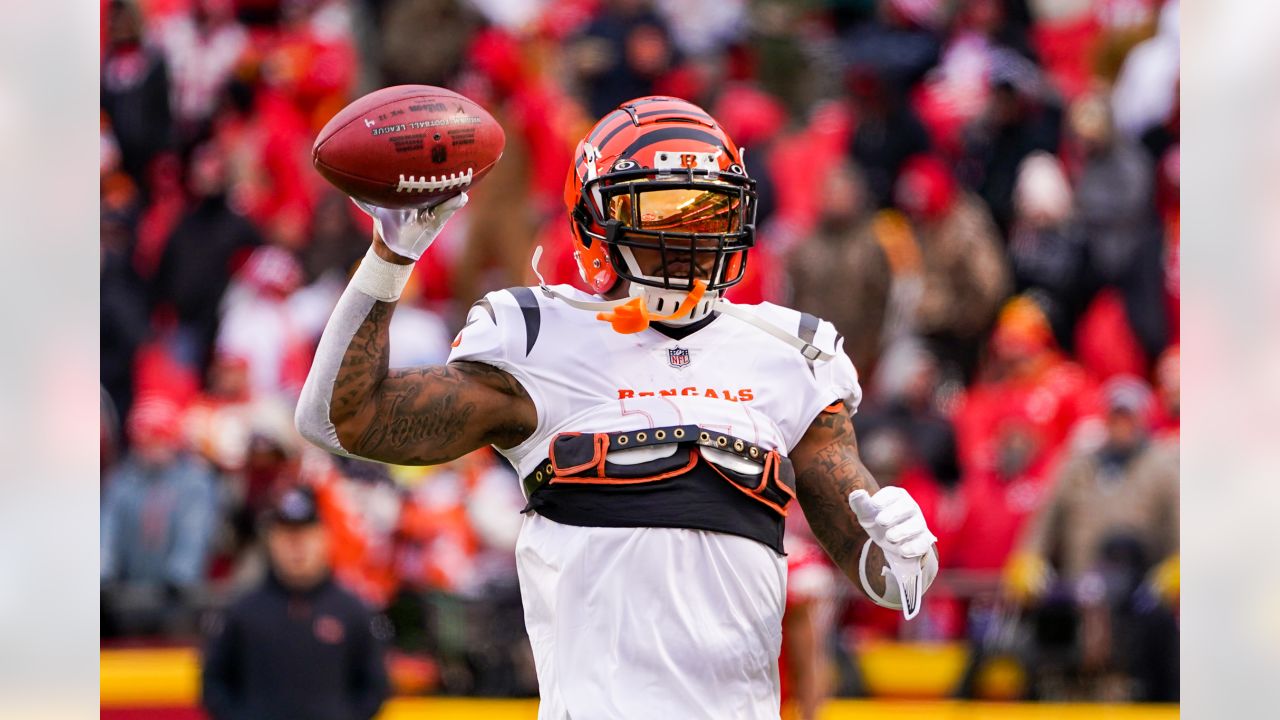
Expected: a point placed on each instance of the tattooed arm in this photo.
(409, 416)
(828, 469)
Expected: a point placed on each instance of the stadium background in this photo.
(983, 195)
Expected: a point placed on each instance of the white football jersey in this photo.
(653, 622)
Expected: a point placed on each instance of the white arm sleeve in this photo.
(375, 280)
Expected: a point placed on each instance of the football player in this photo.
(660, 431)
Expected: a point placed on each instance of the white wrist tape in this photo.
(914, 582)
(379, 279)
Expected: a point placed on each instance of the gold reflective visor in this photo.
(690, 210)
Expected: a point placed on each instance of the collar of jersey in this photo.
(680, 332)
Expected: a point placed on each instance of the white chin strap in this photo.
(665, 301)
(661, 301)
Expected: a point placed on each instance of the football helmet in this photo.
(658, 195)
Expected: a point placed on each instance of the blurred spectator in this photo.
(262, 324)
(313, 61)
(251, 441)
(167, 204)
(337, 242)
(454, 543)
(201, 48)
(999, 500)
(885, 58)
(888, 133)
(217, 423)
(841, 274)
(898, 45)
(782, 54)
(1116, 206)
(204, 251)
(905, 399)
(135, 90)
(298, 645)
(124, 323)
(981, 42)
(965, 274)
(1047, 245)
(1026, 380)
(1146, 91)
(621, 54)
(1111, 519)
(361, 506)
(1022, 116)
(700, 29)
(159, 507)
(424, 41)
(797, 166)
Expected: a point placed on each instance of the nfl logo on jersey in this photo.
(678, 357)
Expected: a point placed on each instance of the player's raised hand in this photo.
(893, 520)
(408, 233)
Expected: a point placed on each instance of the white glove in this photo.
(893, 520)
(409, 233)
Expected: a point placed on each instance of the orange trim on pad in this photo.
(600, 444)
(693, 460)
(781, 510)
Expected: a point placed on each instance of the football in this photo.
(408, 146)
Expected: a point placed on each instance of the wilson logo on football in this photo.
(453, 181)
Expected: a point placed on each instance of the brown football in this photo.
(408, 146)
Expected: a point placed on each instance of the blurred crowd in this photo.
(982, 195)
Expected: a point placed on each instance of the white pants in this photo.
(652, 623)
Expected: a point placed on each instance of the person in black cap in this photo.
(297, 646)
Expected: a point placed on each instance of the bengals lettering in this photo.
(743, 395)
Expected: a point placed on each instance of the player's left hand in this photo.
(893, 520)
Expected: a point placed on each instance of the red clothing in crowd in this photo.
(1049, 401)
(1105, 343)
(995, 513)
(800, 161)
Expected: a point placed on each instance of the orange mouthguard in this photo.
(634, 316)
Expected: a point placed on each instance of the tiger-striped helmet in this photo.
(660, 174)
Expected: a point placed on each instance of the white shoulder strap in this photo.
(808, 350)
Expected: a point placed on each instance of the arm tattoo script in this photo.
(422, 415)
(827, 470)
